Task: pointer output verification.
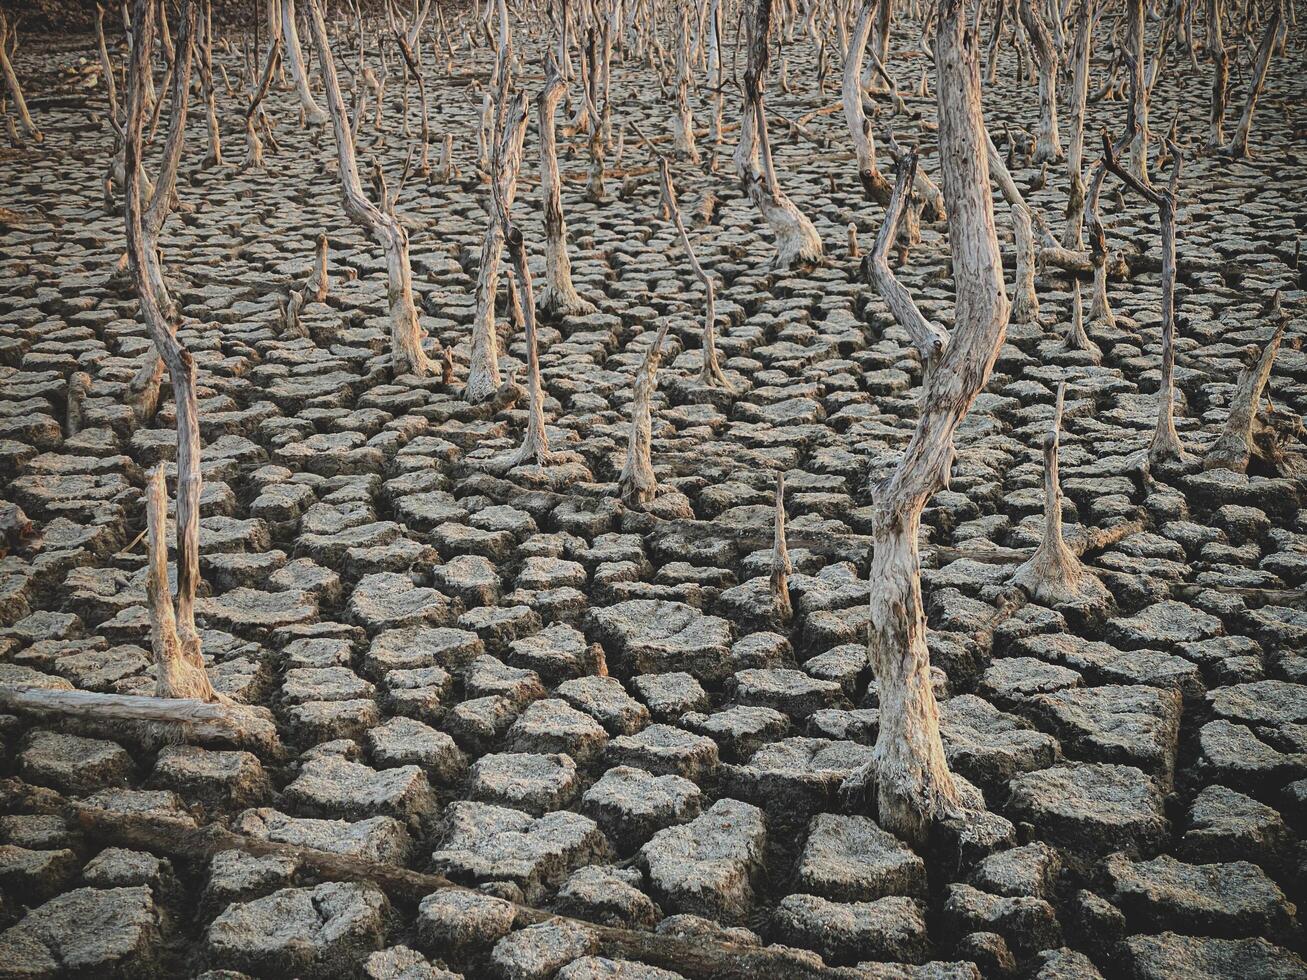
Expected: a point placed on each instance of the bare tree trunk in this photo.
(1138, 92)
(214, 157)
(864, 147)
(710, 373)
(319, 283)
(313, 114)
(1048, 144)
(1220, 76)
(1080, 52)
(1100, 308)
(406, 333)
(1234, 447)
(559, 297)
(781, 567)
(637, 485)
(253, 145)
(912, 781)
(683, 120)
(1076, 338)
(796, 239)
(179, 666)
(1238, 146)
(1054, 575)
(1165, 445)
(11, 83)
(1025, 302)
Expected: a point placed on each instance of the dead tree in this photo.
(912, 782)
(483, 378)
(1075, 154)
(406, 333)
(1025, 302)
(319, 283)
(1245, 434)
(1165, 445)
(1237, 148)
(559, 297)
(179, 665)
(1220, 76)
(710, 373)
(874, 183)
(1138, 92)
(144, 388)
(412, 61)
(254, 112)
(214, 157)
(781, 566)
(535, 445)
(636, 484)
(1100, 307)
(294, 55)
(1048, 144)
(796, 239)
(1076, 338)
(8, 43)
(683, 119)
(79, 389)
(1054, 574)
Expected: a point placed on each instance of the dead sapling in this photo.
(710, 372)
(8, 45)
(559, 296)
(1165, 445)
(1249, 432)
(381, 224)
(636, 484)
(1076, 339)
(781, 567)
(797, 241)
(1025, 301)
(1237, 148)
(254, 114)
(1054, 574)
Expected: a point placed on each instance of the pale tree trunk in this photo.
(864, 147)
(1238, 146)
(1075, 155)
(535, 445)
(319, 283)
(11, 83)
(1054, 574)
(1076, 338)
(710, 373)
(559, 297)
(1220, 76)
(1025, 302)
(716, 73)
(1165, 445)
(1048, 144)
(313, 114)
(781, 567)
(683, 120)
(483, 377)
(912, 781)
(797, 241)
(637, 485)
(1100, 307)
(406, 333)
(214, 157)
(253, 145)
(144, 388)
(1138, 92)
(1235, 446)
(179, 665)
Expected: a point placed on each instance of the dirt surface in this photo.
(430, 637)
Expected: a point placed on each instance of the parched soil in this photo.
(518, 683)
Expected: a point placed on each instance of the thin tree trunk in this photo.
(1138, 92)
(874, 184)
(1075, 156)
(406, 333)
(1238, 147)
(1234, 447)
(313, 114)
(1025, 302)
(11, 83)
(559, 297)
(1048, 144)
(637, 485)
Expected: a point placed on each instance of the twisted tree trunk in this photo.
(912, 781)
(874, 183)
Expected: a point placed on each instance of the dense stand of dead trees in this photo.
(908, 777)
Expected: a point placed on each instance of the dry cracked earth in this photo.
(431, 638)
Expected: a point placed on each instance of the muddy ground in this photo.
(429, 637)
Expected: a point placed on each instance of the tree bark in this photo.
(559, 297)
(1025, 302)
(1238, 146)
(1234, 447)
(1048, 144)
(912, 781)
(874, 184)
(637, 485)
(1080, 53)
(11, 83)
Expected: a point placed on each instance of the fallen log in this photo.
(693, 958)
(187, 719)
